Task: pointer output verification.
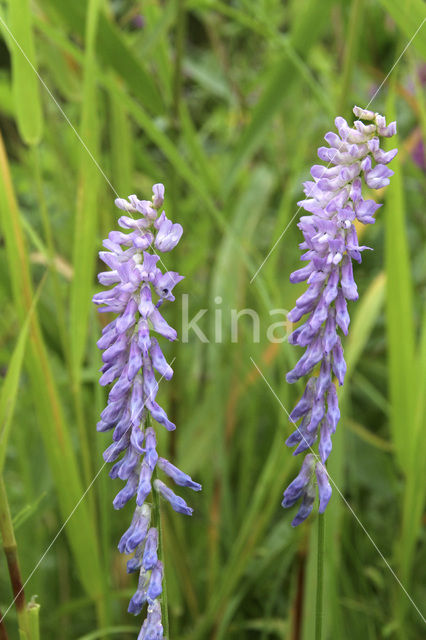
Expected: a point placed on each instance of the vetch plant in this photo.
(131, 355)
(335, 202)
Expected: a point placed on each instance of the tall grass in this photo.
(226, 104)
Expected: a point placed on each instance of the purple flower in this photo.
(168, 234)
(334, 200)
(131, 355)
(152, 629)
(138, 21)
(419, 156)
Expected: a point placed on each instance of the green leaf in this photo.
(113, 51)
(56, 435)
(399, 303)
(109, 631)
(121, 147)
(9, 389)
(26, 512)
(25, 83)
(365, 316)
(85, 226)
(409, 16)
(415, 486)
(278, 84)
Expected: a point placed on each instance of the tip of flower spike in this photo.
(364, 114)
(158, 195)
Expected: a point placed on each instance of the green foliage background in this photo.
(226, 103)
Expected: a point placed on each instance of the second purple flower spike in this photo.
(131, 355)
(334, 200)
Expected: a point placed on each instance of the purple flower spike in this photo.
(130, 359)
(334, 200)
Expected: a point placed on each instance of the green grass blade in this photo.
(121, 147)
(409, 16)
(399, 303)
(109, 631)
(56, 437)
(87, 203)
(309, 26)
(351, 54)
(415, 489)
(112, 51)
(365, 316)
(9, 389)
(25, 84)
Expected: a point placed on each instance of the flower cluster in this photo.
(335, 202)
(131, 354)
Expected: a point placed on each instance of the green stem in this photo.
(351, 52)
(179, 43)
(11, 552)
(179, 51)
(320, 578)
(33, 619)
(157, 523)
(3, 630)
(51, 254)
(175, 187)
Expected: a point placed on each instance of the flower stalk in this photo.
(320, 577)
(157, 521)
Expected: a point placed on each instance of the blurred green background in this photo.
(226, 103)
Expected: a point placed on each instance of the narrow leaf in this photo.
(9, 389)
(25, 83)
